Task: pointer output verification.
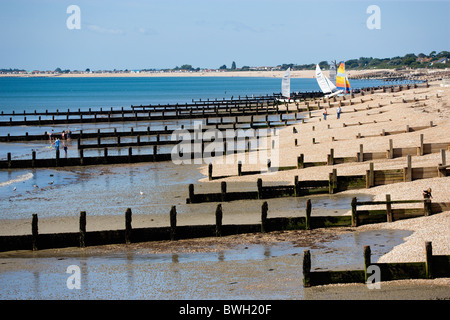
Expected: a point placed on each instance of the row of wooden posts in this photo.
(434, 266)
(151, 132)
(196, 105)
(334, 183)
(391, 153)
(267, 224)
(135, 117)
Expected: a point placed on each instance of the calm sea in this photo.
(31, 94)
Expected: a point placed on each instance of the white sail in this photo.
(286, 84)
(322, 81)
(330, 84)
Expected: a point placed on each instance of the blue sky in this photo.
(140, 34)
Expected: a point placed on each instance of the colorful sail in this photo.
(286, 84)
(341, 79)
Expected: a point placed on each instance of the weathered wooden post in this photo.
(128, 226)
(82, 229)
(259, 186)
(367, 261)
(390, 153)
(389, 217)
(33, 159)
(420, 148)
(408, 169)
(81, 157)
(173, 222)
(105, 155)
(443, 158)
(34, 232)
(361, 153)
(264, 210)
(330, 158)
(155, 152)
(296, 193)
(223, 190)
(306, 268)
(300, 161)
(442, 168)
(428, 260)
(239, 168)
(219, 216)
(210, 171)
(130, 154)
(354, 213)
(308, 215)
(191, 193)
(330, 183)
(57, 157)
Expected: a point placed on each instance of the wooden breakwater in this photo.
(219, 108)
(361, 156)
(221, 125)
(434, 266)
(196, 106)
(136, 117)
(334, 183)
(83, 238)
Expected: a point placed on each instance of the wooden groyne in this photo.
(334, 184)
(238, 123)
(83, 238)
(434, 266)
(361, 156)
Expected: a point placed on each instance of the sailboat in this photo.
(325, 84)
(286, 84)
(342, 80)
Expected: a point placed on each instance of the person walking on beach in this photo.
(427, 194)
(57, 144)
(339, 112)
(325, 113)
(65, 148)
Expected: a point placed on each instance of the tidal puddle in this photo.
(244, 272)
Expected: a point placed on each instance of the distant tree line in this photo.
(410, 60)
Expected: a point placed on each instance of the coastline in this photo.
(305, 74)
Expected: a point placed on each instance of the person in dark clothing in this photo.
(427, 194)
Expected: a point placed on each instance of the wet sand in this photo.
(252, 266)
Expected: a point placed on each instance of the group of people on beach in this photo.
(66, 135)
(338, 113)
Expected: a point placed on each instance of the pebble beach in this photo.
(393, 115)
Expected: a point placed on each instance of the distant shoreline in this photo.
(305, 74)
